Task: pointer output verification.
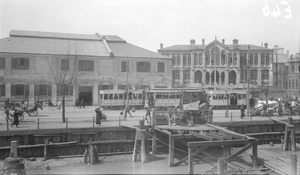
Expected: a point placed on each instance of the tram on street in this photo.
(233, 98)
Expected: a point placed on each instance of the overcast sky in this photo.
(147, 23)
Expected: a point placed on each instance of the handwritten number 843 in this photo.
(276, 11)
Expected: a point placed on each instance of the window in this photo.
(223, 59)
(234, 59)
(196, 60)
(42, 89)
(123, 66)
(200, 59)
(20, 63)
(186, 76)
(174, 60)
(143, 67)
(251, 59)
(178, 60)
(189, 60)
(20, 90)
(2, 63)
(86, 65)
(207, 58)
(2, 90)
(176, 77)
(263, 60)
(267, 60)
(68, 90)
(65, 65)
(184, 60)
(105, 87)
(256, 59)
(160, 67)
(230, 61)
(121, 86)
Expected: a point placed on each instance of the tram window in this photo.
(158, 96)
(101, 96)
(172, 96)
(239, 96)
(111, 97)
(140, 96)
(125, 96)
(130, 96)
(177, 96)
(121, 96)
(215, 97)
(225, 96)
(244, 96)
(221, 96)
(165, 96)
(116, 97)
(105, 96)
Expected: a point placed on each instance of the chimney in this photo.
(223, 41)
(203, 40)
(235, 42)
(266, 45)
(192, 42)
(161, 46)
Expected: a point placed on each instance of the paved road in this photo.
(84, 118)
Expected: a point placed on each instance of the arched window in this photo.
(297, 85)
(207, 57)
(253, 77)
(212, 77)
(198, 77)
(256, 59)
(223, 58)
(289, 84)
(217, 77)
(196, 60)
(200, 59)
(232, 78)
(234, 59)
(267, 59)
(178, 60)
(174, 60)
(176, 77)
(293, 84)
(207, 78)
(230, 62)
(215, 56)
(265, 77)
(189, 60)
(184, 60)
(222, 78)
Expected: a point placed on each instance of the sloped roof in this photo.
(34, 42)
(126, 49)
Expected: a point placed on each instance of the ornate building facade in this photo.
(31, 62)
(220, 65)
(294, 76)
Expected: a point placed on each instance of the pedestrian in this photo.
(98, 116)
(148, 113)
(6, 111)
(16, 118)
(59, 104)
(82, 103)
(76, 103)
(280, 112)
(264, 110)
(127, 111)
(242, 112)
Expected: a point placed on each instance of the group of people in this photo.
(79, 104)
(10, 105)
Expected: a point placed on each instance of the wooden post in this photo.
(119, 120)
(85, 156)
(136, 146)
(191, 160)
(220, 166)
(141, 124)
(46, 149)
(154, 143)
(38, 123)
(91, 154)
(225, 155)
(171, 150)
(231, 116)
(93, 122)
(286, 135)
(143, 148)
(293, 139)
(67, 122)
(14, 148)
(7, 125)
(293, 164)
(254, 156)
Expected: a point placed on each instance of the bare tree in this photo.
(62, 71)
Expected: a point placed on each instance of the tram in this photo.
(116, 99)
(233, 98)
(160, 98)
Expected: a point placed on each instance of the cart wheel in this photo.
(21, 117)
(51, 108)
(34, 113)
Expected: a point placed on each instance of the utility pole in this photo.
(127, 93)
(276, 70)
(248, 79)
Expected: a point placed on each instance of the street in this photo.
(84, 118)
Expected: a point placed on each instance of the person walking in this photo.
(82, 103)
(242, 112)
(127, 110)
(16, 118)
(280, 112)
(264, 110)
(148, 113)
(98, 116)
(76, 103)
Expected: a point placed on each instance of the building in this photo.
(220, 65)
(281, 67)
(294, 76)
(32, 62)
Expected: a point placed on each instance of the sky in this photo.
(147, 23)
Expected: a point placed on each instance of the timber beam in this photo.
(218, 142)
(195, 152)
(202, 136)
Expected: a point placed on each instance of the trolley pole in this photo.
(127, 94)
(248, 79)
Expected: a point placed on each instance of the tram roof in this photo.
(176, 90)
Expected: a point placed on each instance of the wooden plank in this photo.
(224, 135)
(196, 152)
(231, 133)
(183, 136)
(198, 135)
(171, 150)
(214, 135)
(245, 148)
(282, 122)
(212, 143)
(191, 161)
